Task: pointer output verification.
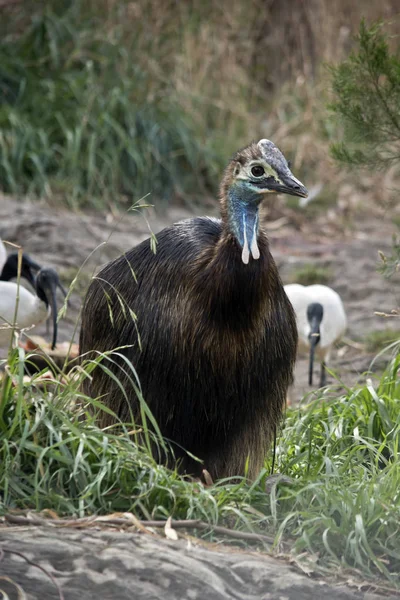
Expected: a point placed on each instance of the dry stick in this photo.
(30, 562)
(189, 524)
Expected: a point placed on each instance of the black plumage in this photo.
(217, 342)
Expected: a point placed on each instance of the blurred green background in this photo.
(105, 101)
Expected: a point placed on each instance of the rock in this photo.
(83, 564)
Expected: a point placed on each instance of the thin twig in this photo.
(45, 571)
(128, 521)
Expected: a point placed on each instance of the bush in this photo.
(366, 87)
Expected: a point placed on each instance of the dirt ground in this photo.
(347, 246)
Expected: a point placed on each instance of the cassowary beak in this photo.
(288, 184)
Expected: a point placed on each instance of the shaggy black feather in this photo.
(218, 343)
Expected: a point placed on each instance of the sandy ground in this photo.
(65, 240)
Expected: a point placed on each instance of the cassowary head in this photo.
(254, 172)
(260, 169)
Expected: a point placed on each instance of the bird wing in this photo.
(31, 310)
(300, 299)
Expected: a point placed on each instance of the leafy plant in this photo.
(377, 340)
(341, 452)
(390, 265)
(366, 90)
(92, 110)
(310, 274)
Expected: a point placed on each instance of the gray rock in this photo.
(82, 564)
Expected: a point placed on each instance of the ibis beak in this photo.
(53, 303)
(50, 290)
(314, 339)
(313, 343)
(47, 282)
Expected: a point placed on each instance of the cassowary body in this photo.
(217, 333)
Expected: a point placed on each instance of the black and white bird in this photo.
(9, 268)
(321, 322)
(33, 308)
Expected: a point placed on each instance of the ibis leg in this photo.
(322, 381)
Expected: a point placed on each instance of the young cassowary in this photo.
(321, 322)
(217, 333)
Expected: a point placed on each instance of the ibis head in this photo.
(28, 268)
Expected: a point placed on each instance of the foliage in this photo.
(94, 107)
(391, 264)
(346, 453)
(310, 274)
(366, 89)
(342, 452)
(378, 340)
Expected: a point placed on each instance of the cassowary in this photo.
(213, 336)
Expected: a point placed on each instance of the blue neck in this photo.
(243, 219)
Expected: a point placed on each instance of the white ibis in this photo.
(321, 321)
(33, 309)
(9, 268)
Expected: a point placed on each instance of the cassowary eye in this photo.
(257, 171)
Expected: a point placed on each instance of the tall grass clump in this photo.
(104, 101)
(54, 456)
(344, 453)
(97, 107)
(341, 451)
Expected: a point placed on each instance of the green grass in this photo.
(380, 338)
(310, 274)
(97, 109)
(342, 451)
(100, 104)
